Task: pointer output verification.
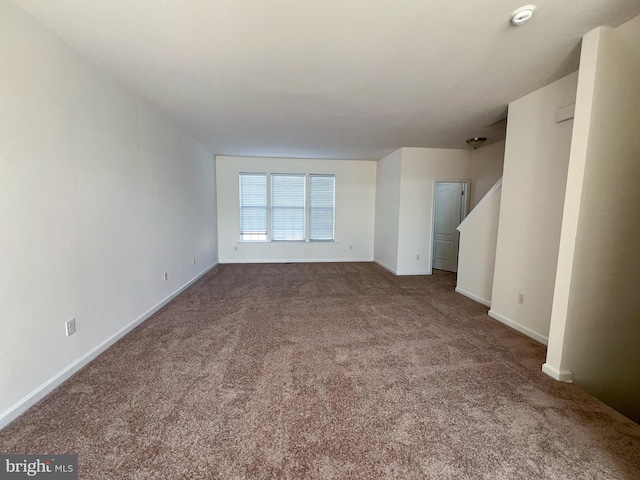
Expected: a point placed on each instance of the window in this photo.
(321, 208)
(253, 206)
(288, 207)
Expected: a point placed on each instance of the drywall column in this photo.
(534, 182)
(601, 338)
(573, 194)
(387, 212)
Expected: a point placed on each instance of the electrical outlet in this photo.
(70, 326)
(521, 298)
(166, 276)
(418, 257)
(350, 247)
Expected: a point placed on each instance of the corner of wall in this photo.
(559, 375)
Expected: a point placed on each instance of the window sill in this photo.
(289, 241)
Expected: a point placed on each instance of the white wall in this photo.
(404, 204)
(99, 196)
(477, 253)
(599, 305)
(534, 181)
(421, 168)
(387, 210)
(486, 169)
(355, 203)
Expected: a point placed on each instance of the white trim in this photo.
(521, 328)
(29, 400)
(406, 273)
(476, 298)
(485, 199)
(403, 273)
(324, 242)
(389, 269)
(294, 260)
(560, 375)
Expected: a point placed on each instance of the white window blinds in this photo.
(287, 207)
(322, 208)
(253, 206)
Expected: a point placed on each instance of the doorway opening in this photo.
(450, 206)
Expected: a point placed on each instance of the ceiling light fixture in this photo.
(522, 15)
(476, 142)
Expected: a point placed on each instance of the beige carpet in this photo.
(326, 371)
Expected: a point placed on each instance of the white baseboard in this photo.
(521, 328)
(29, 400)
(560, 375)
(476, 298)
(385, 267)
(404, 273)
(295, 260)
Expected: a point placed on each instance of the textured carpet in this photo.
(326, 371)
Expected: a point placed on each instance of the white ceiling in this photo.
(331, 78)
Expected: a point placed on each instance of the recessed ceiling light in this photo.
(523, 14)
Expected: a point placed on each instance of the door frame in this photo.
(466, 186)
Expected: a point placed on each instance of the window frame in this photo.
(273, 212)
(269, 208)
(333, 208)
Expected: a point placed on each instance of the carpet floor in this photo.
(326, 371)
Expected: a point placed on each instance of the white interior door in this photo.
(449, 212)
